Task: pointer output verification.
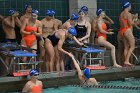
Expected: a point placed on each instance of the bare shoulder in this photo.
(6, 19)
(38, 21)
(39, 81)
(43, 20)
(88, 23)
(61, 33)
(129, 14)
(59, 21)
(66, 24)
(22, 17)
(28, 84)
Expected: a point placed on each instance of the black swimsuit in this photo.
(53, 39)
(81, 30)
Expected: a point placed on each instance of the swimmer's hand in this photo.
(71, 55)
(110, 33)
(33, 32)
(15, 14)
(81, 44)
(80, 40)
(110, 30)
(84, 46)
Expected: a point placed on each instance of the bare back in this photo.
(124, 16)
(66, 25)
(9, 28)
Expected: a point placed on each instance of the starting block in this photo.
(87, 55)
(23, 73)
(96, 67)
(16, 55)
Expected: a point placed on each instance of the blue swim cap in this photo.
(26, 6)
(81, 11)
(35, 11)
(126, 5)
(74, 16)
(49, 13)
(53, 12)
(99, 11)
(84, 8)
(33, 72)
(72, 31)
(11, 12)
(87, 73)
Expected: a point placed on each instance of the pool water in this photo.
(71, 89)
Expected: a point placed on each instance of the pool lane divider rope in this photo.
(110, 87)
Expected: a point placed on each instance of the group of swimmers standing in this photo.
(53, 34)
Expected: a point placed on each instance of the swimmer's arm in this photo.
(41, 85)
(60, 25)
(130, 21)
(18, 22)
(100, 28)
(1, 17)
(77, 68)
(137, 27)
(60, 44)
(22, 29)
(21, 19)
(39, 33)
(88, 32)
(109, 20)
(55, 26)
(26, 88)
(77, 41)
(10, 24)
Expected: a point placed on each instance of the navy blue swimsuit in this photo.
(53, 39)
(81, 31)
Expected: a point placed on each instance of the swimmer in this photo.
(85, 77)
(33, 85)
(102, 32)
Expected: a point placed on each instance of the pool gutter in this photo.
(70, 78)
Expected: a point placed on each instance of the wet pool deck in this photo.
(53, 79)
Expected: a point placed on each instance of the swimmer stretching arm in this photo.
(17, 21)
(109, 20)
(80, 74)
(60, 44)
(91, 81)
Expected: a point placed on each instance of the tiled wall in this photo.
(113, 9)
(75, 5)
(60, 6)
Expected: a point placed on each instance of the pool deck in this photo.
(9, 83)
